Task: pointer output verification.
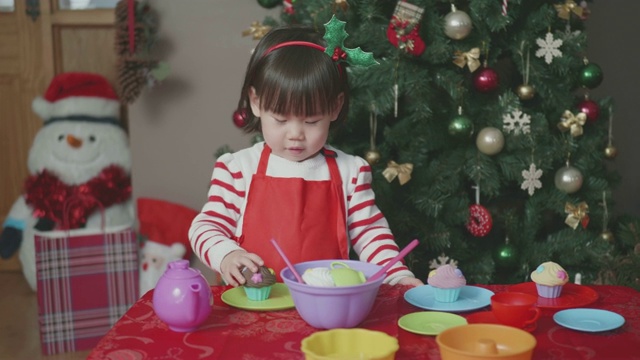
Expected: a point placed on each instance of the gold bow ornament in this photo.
(578, 214)
(565, 10)
(401, 171)
(572, 122)
(470, 58)
(257, 30)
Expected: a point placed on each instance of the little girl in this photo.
(314, 200)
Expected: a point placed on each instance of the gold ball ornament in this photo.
(372, 157)
(610, 152)
(607, 236)
(525, 92)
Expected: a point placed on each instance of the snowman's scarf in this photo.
(48, 195)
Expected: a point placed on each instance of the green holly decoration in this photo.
(335, 35)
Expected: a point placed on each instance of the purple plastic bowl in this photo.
(333, 307)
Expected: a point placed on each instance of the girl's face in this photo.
(291, 137)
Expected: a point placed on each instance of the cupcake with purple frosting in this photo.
(447, 281)
(549, 278)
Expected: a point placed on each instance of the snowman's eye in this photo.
(92, 138)
(60, 137)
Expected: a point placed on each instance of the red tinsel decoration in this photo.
(48, 196)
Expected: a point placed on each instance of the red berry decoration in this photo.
(589, 108)
(480, 221)
(486, 80)
(240, 118)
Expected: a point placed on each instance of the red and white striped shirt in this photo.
(220, 220)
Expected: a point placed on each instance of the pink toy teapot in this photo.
(182, 297)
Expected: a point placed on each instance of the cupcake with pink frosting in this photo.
(447, 281)
(549, 278)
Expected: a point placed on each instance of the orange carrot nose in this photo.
(74, 141)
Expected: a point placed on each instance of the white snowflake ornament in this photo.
(549, 48)
(516, 122)
(442, 260)
(531, 179)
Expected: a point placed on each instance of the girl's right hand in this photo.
(232, 265)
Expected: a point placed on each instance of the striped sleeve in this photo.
(212, 231)
(368, 229)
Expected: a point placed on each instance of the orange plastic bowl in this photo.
(485, 341)
(346, 344)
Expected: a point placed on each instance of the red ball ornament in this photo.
(480, 221)
(589, 108)
(240, 118)
(486, 80)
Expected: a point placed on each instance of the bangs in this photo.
(304, 87)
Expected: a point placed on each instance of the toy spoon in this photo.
(286, 260)
(397, 258)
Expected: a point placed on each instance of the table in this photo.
(231, 333)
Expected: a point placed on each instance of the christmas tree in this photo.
(484, 142)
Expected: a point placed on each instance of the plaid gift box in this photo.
(87, 280)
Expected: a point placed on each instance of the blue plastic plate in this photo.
(590, 320)
(471, 298)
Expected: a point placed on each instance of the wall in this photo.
(177, 127)
(613, 44)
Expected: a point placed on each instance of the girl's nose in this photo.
(296, 131)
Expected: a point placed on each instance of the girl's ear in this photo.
(338, 107)
(254, 101)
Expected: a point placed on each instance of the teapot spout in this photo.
(192, 313)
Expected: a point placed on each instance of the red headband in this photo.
(337, 56)
(294, 43)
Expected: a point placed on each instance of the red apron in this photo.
(307, 218)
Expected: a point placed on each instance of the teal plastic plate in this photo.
(471, 298)
(589, 320)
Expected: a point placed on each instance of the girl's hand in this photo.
(232, 265)
(410, 281)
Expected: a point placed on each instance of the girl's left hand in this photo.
(410, 281)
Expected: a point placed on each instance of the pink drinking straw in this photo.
(397, 258)
(286, 260)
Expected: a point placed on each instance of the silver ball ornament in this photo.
(568, 179)
(490, 141)
(457, 24)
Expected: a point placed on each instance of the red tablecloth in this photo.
(231, 333)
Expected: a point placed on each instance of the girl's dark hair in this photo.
(298, 80)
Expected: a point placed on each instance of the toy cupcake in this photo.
(258, 285)
(549, 278)
(447, 281)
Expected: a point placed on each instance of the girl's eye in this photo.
(312, 122)
(280, 121)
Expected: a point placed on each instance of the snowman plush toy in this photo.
(79, 167)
